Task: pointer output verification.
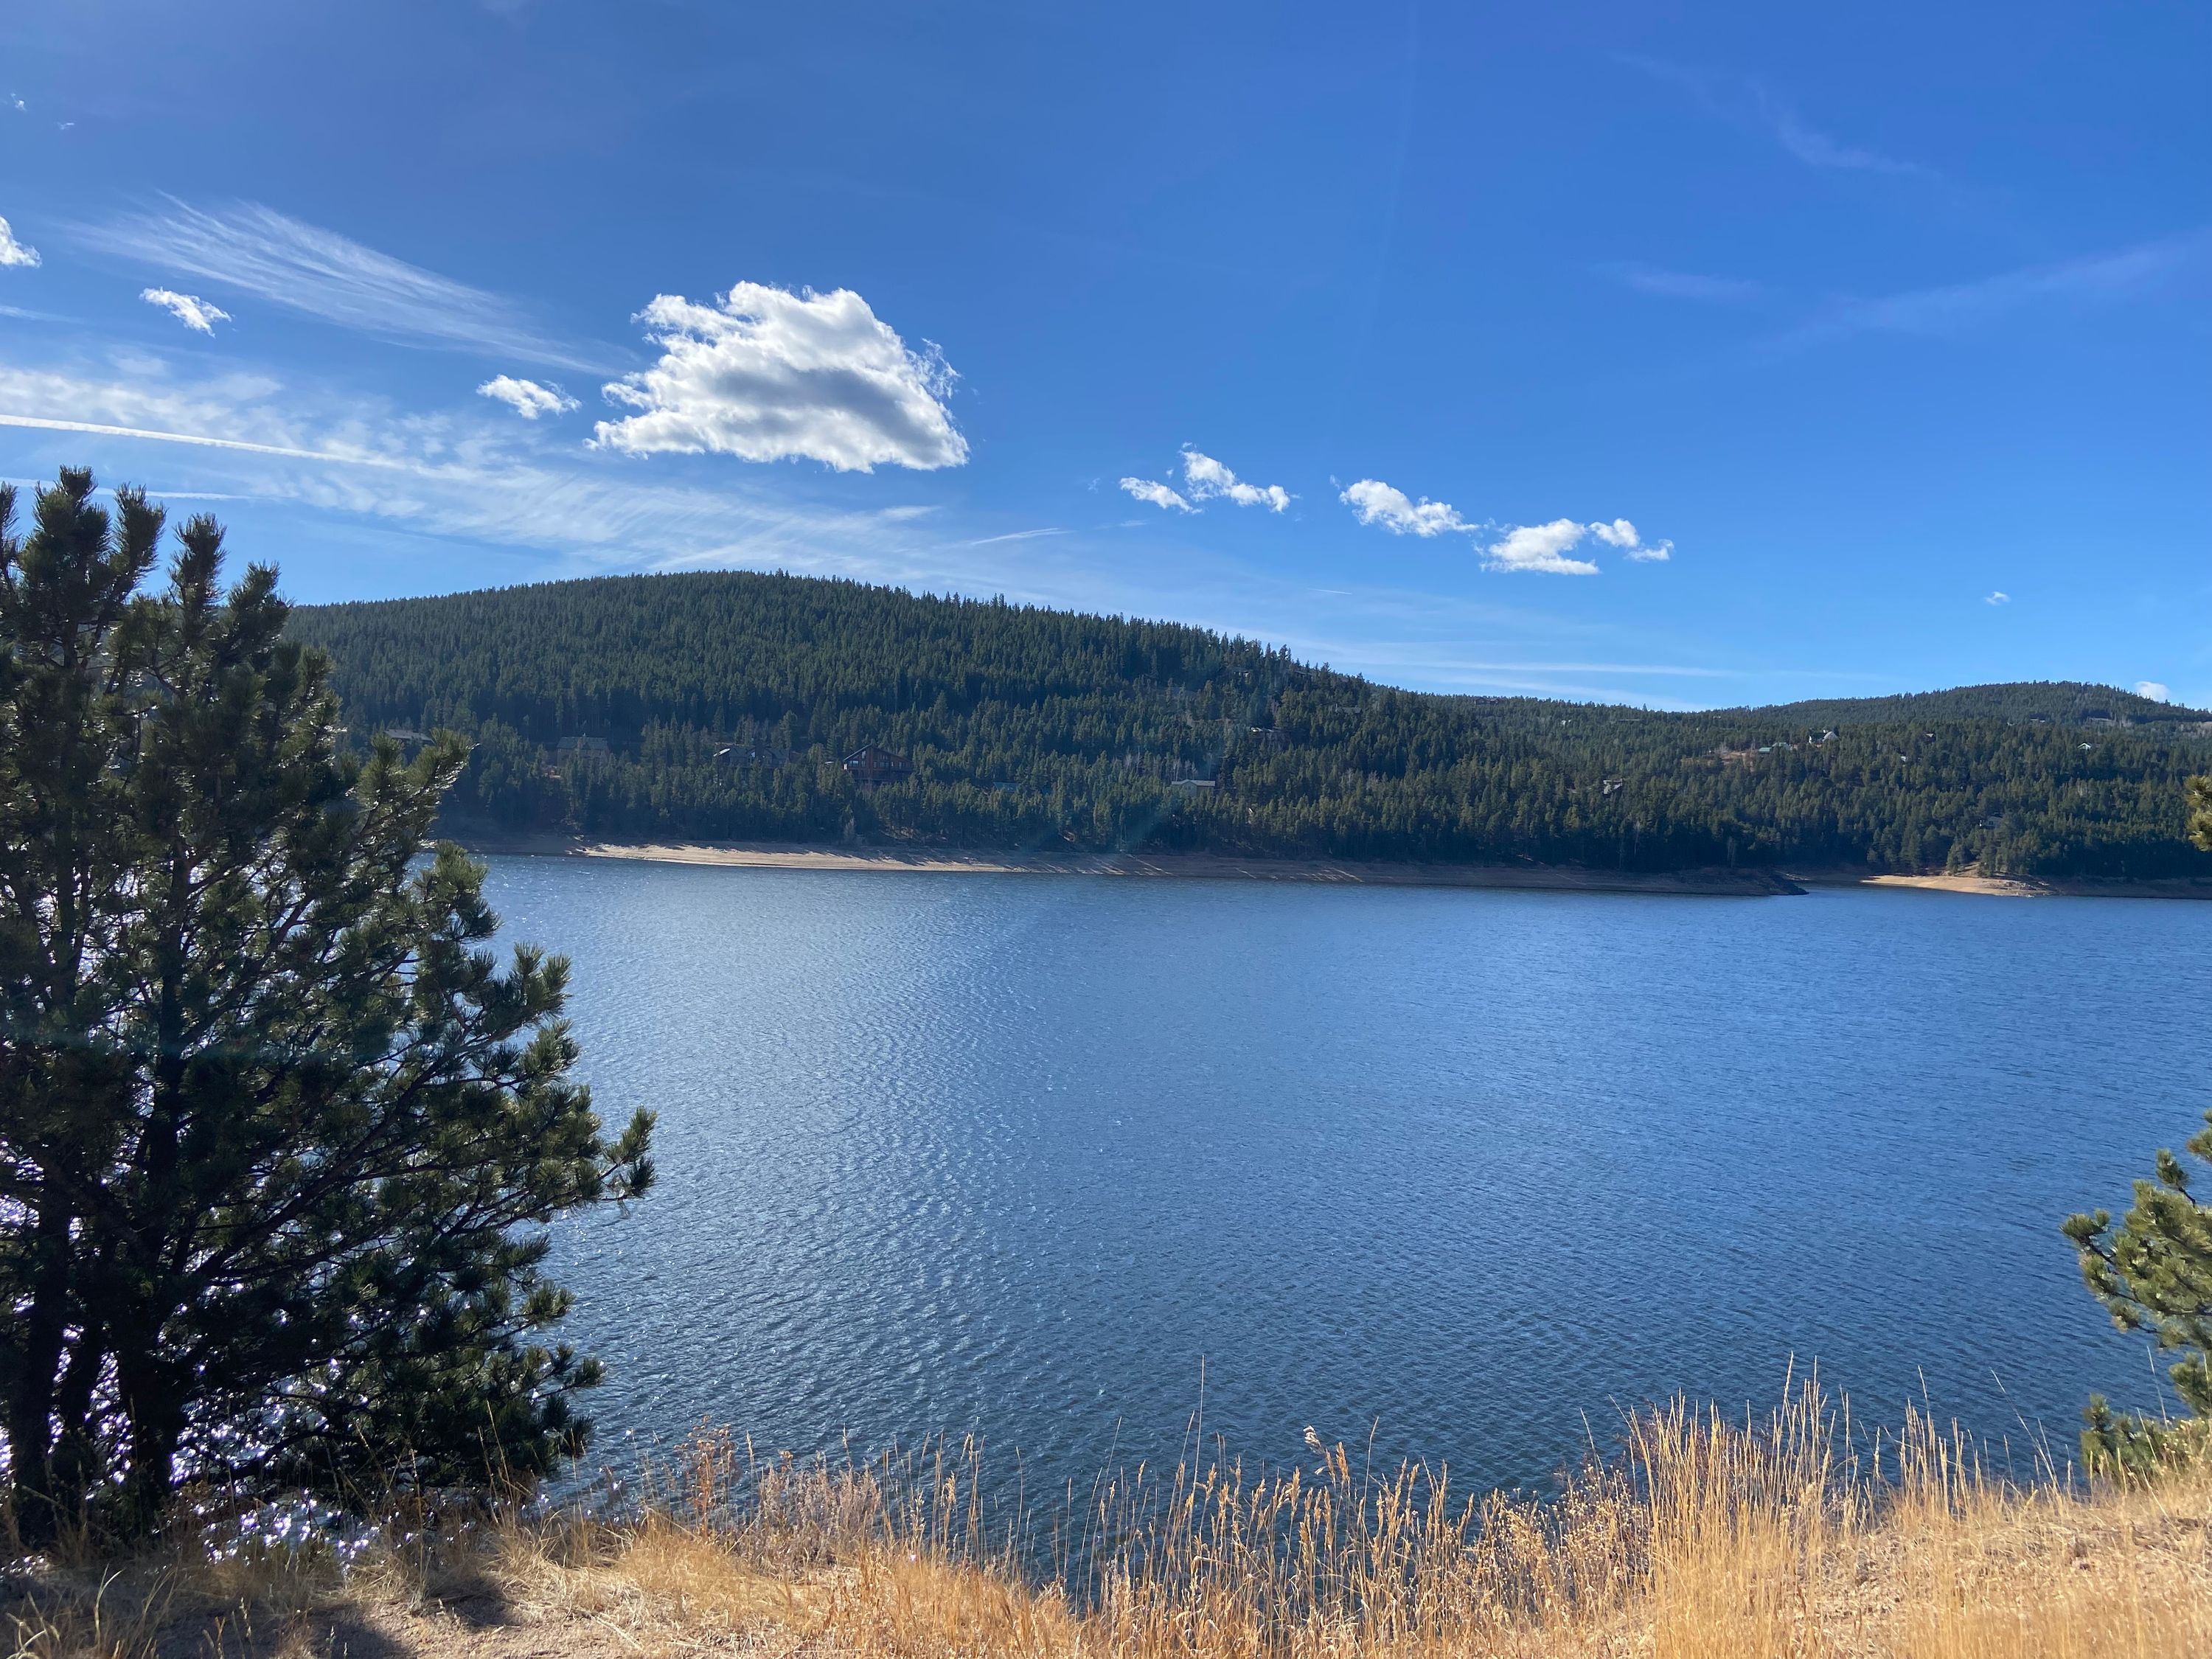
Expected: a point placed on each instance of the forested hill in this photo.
(2066, 702)
(718, 705)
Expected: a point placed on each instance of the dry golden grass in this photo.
(1706, 1540)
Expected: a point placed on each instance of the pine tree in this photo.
(2154, 1272)
(278, 1135)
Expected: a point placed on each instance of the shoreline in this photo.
(1712, 883)
(1347, 872)
(2163, 887)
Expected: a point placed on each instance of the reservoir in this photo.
(1460, 1175)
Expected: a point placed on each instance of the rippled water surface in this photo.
(1467, 1172)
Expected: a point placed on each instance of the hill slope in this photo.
(2052, 702)
(715, 705)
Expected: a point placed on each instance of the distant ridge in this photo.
(720, 705)
(2062, 702)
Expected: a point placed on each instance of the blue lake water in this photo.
(1467, 1173)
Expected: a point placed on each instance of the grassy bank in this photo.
(1701, 1538)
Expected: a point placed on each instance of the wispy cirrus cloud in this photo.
(1816, 148)
(459, 475)
(157, 435)
(1683, 284)
(2097, 278)
(1749, 102)
(237, 411)
(1017, 536)
(322, 274)
(768, 374)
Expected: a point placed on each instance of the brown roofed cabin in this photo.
(871, 765)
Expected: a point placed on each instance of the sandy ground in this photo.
(469, 1628)
(2014, 886)
(760, 855)
(467, 1633)
(1533, 878)
(1187, 866)
(2130, 1577)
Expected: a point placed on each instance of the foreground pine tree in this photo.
(2154, 1272)
(278, 1135)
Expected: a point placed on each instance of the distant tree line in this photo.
(717, 706)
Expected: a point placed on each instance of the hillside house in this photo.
(871, 767)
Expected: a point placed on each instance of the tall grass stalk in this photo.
(1704, 1538)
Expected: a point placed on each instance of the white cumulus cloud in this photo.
(526, 397)
(1158, 494)
(1208, 480)
(13, 252)
(1376, 502)
(195, 313)
(2155, 690)
(1540, 547)
(2000, 597)
(769, 375)
(1622, 534)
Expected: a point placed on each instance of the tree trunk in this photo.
(31, 1401)
(153, 1410)
(74, 1464)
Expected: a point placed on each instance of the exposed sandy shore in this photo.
(2182, 887)
(1345, 873)
(1533, 878)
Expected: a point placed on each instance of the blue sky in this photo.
(1410, 337)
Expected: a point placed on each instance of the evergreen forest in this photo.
(719, 706)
